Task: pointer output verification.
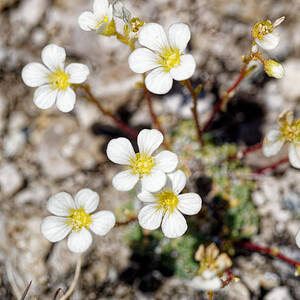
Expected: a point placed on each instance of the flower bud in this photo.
(273, 68)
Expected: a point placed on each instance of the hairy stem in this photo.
(242, 153)
(120, 124)
(75, 279)
(131, 220)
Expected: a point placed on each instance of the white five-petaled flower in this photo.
(163, 55)
(75, 216)
(151, 170)
(54, 81)
(166, 206)
(264, 35)
(289, 132)
(98, 20)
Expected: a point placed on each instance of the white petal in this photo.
(35, 74)
(173, 224)
(54, 57)
(154, 181)
(77, 72)
(60, 204)
(142, 60)
(79, 241)
(294, 156)
(153, 36)
(144, 195)
(125, 181)
(54, 229)
(179, 35)
(44, 96)
(149, 140)
(100, 8)
(87, 199)
(298, 239)
(166, 161)
(189, 204)
(185, 69)
(159, 81)
(285, 117)
(103, 222)
(272, 143)
(150, 217)
(269, 42)
(88, 21)
(207, 285)
(176, 182)
(120, 151)
(66, 100)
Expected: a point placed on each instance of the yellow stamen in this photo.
(167, 201)
(291, 132)
(79, 218)
(59, 80)
(261, 29)
(142, 164)
(104, 20)
(170, 58)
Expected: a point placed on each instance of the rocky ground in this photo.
(44, 152)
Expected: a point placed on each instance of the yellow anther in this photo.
(142, 164)
(261, 29)
(59, 80)
(79, 218)
(274, 251)
(297, 272)
(291, 132)
(167, 201)
(170, 58)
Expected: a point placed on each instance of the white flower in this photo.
(264, 35)
(164, 55)
(54, 81)
(289, 132)
(166, 206)
(151, 170)
(99, 20)
(75, 216)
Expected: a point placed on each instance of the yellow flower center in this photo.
(104, 20)
(79, 218)
(59, 80)
(291, 132)
(170, 58)
(142, 164)
(261, 29)
(167, 201)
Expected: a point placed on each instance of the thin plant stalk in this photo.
(211, 295)
(154, 118)
(194, 95)
(272, 252)
(75, 279)
(120, 124)
(271, 166)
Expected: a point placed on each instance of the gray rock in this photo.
(279, 293)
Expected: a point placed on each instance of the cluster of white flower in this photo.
(159, 184)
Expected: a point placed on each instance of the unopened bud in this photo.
(273, 68)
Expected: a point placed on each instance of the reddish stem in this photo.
(153, 115)
(228, 279)
(271, 252)
(227, 95)
(242, 153)
(187, 83)
(271, 166)
(133, 219)
(120, 124)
